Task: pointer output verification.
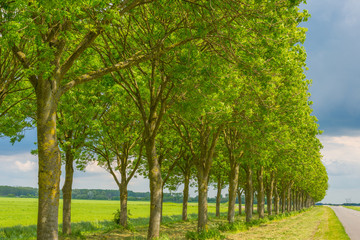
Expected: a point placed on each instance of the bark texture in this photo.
(202, 202)
(269, 194)
(49, 161)
(123, 200)
(261, 193)
(233, 188)
(155, 189)
(185, 198)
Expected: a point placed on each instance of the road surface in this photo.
(350, 219)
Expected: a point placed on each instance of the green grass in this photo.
(331, 227)
(316, 223)
(23, 211)
(93, 220)
(353, 207)
(18, 216)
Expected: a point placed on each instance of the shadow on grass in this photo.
(81, 230)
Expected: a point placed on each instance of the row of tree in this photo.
(175, 90)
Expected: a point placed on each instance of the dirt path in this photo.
(350, 220)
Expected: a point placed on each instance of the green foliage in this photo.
(116, 220)
(209, 234)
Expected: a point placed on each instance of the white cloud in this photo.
(24, 162)
(25, 167)
(94, 168)
(342, 161)
(341, 149)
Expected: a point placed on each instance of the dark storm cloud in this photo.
(333, 52)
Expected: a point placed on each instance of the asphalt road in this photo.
(350, 219)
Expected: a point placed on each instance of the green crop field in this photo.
(23, 211)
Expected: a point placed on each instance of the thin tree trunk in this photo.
(240, 203)
(123, 199)
(276, 199)
(185, 197)
(304, 201)
(288, 199)
(67, 190)
(261, 194)
(283, 200)
(202, 201)
(218, 197)
(249, 194)
(162, 202)
(233, 188)
(203, 167)
(293, 200)
(49, 161)
(297, 201)
(269, 195)
(155, 189)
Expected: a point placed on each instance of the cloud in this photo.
(342, 162)
(23, 162)
(25, 167)
(93, 167)
(18, 170)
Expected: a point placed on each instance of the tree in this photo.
(116, 143)
(77, 112)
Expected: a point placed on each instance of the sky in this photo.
(333, 52)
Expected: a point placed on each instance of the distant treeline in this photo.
(98, 194)
(340, 204)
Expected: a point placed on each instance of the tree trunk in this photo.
(233, 188)
(261, 194)
(202, 201)
(283, 200)
(288, 199)
(185, 197)
(155, 189)
(276, 200)
(123, 199)
(304, 201)
(218, 197)
(162, 202)
(249, 194)
(67, 190)
(269, 195)
(49, 161)
(297, 201)
(293, 198)
(240, 203)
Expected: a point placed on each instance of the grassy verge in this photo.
(353, 207)
(317, 223)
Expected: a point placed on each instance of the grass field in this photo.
(23, 211)
(88, 222)
(353, 207)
